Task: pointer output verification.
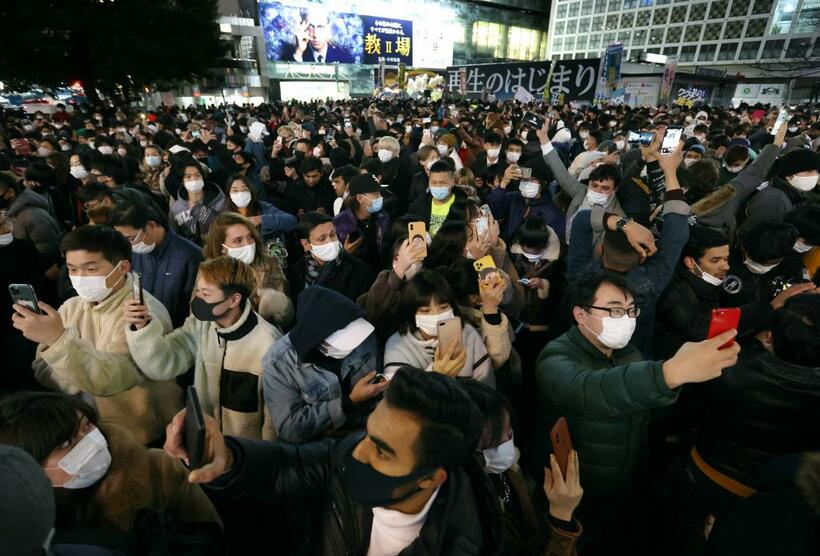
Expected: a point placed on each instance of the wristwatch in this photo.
(623, 221)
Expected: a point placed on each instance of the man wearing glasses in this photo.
(313, 40)
(592, 376)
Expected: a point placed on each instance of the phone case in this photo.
(561, 444)
(23, 294)
(484, 263)
(526, 172)
(417, 234)
(482, 226)
(671, 139)
(194, 429)
(136, 287)
(723, 320)
(449, 332)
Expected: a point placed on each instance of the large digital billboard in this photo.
(312, 33)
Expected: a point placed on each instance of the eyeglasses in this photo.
(618, 312)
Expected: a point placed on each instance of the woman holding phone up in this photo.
(427, 301)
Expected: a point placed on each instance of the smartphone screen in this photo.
(646, 137)
(633, 137)
(671, 139)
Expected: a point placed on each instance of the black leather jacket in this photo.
(760, 408)
(464, 520)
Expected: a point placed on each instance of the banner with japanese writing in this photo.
(573, 80)
(500, 80)
(690, 97)
(389, 40)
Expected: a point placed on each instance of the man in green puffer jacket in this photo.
(591, 376)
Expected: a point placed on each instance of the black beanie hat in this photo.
(363, 183)
(798, 160)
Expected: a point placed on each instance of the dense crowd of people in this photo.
(385, 307)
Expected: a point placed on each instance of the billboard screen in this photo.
(317, 35)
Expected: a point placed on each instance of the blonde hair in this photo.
(230, 275)
(391, 143)
(216, 235)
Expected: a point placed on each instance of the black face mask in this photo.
(372, 489)
(204, 311)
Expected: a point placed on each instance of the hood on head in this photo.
(320, 312)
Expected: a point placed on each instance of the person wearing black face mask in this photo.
(409, 483)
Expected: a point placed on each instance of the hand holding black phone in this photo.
(194, 429)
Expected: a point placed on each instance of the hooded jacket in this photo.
(464, 520)
(194, 222)
(305, 390)
(32, 221)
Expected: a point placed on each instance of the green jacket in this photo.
(606, 403)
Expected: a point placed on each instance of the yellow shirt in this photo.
(438, 214)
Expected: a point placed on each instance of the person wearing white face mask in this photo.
(235, 236)
(448, 147)
(699, 285)
(606, 389)
(806, 218)
(196, 205)
(166, 261)
(325, 263)
(269, 220)
(426, 301)
(95, 464)
(490, 155)
(82, 345)
(795, 175)
(152, 168)
(499, 455)
(223, 338)
(332, 350)
(765, 266)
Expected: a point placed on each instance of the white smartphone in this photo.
(671, 139)
(782, 118)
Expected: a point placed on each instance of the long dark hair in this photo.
(254, 208)
(425, 287)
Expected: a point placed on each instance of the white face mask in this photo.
(332, 352)
(65, 147)
(6, 239)
(532, 257)
(708, 278)
(735, 169)
(689, 161)
(246, 253)
(433, 129)
(799, 246)
(793, 129)
(513, 157)
(429, 163)
(803, 183)
(443, 149)
(194, 186)
(241, 198)
(142, 248)
(43, 152)
(78, 172)
(621, 145)
(583, 134)
(757, 268)
(317, 152)
(529, 189)
(88, 461)
(429, 323)
(93, 288)
(105, 149)
(494, 152)
(152, 161)
(386, 155)
(143, 144)
(616, 333)
(122, 152)
(500, 458)
(326, 252)
(596, 198)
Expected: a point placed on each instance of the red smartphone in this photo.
(561, 444)
(723, 320)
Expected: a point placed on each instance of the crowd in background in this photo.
(296, 263)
